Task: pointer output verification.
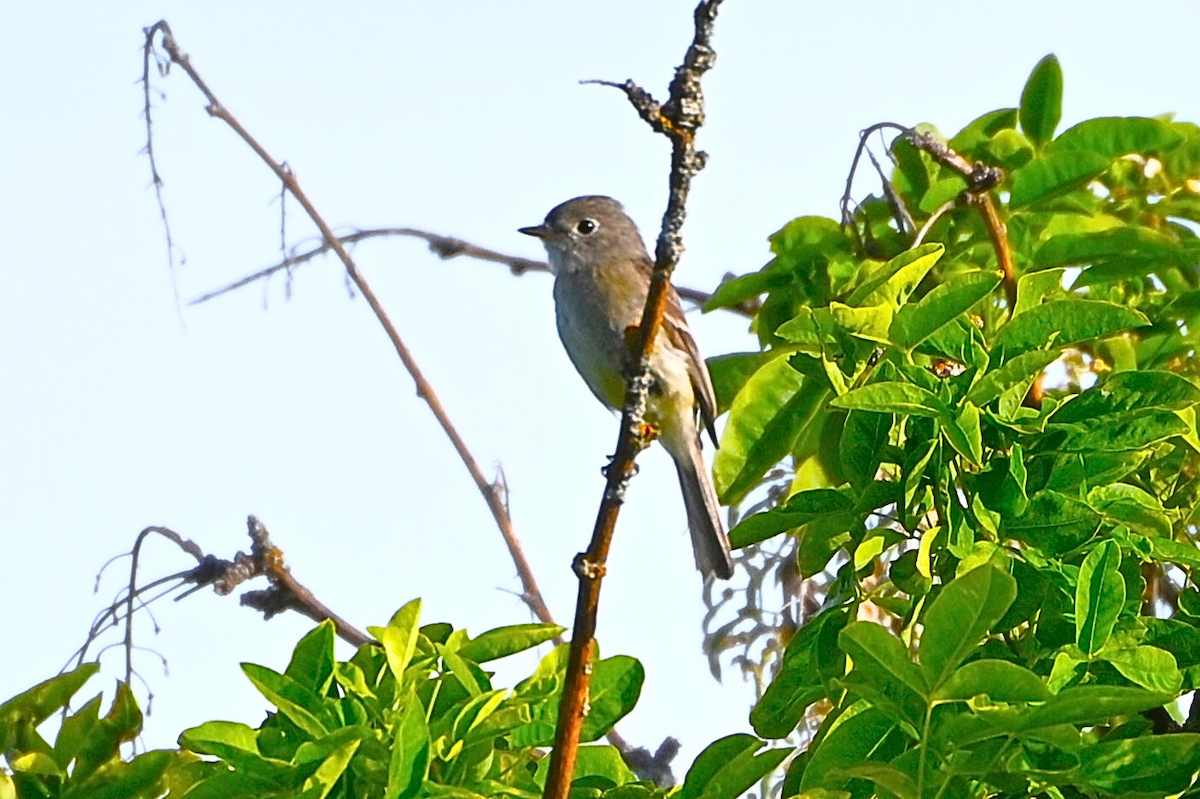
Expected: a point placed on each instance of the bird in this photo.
(602, 275)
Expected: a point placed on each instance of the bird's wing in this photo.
(676, 327)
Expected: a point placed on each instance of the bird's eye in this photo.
(586, 226)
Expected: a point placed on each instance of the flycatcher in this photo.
(601, 278)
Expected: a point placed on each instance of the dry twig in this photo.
(531, 594)
(445, 247)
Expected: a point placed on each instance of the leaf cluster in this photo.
(1008, 479)
(415, 717)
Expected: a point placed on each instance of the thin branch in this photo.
(933, 218)
(148, 52)
(904, 220)
(981, 179)
(286, 592)
(531, 593)
(678, 119)
(445, 247)
(847, 201)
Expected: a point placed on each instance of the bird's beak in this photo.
(537, 231)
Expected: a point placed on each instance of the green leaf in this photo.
(1018, 372)
(982, 129)
(916, 322)
(854, 739)
(861, 445)
(1099, 596)
(893, 282)
(461, 669)
(228, 740)
(964, 434)
(999, 680)
(1113, 137)
(237, 745)
(1041, 101)
(1054, 522)
(601, 761)
(811, 657)
(1035, 288)
(315, 752)
(46, 698)
(797, 510)
(767, 416)
(140, 778)
(1002, 484)
(892, 397)
(1148, 666)
(1124, 434)
(883, 656)
(94, 743)
(728, 767)
(730, 372)
(300, 705)
(1129, 394)
(1154, 765)
(1063, 323)
(870, 322)
(1054, 174)
(963, 613)
(615, 687)
(312, 659)
(804, 249)
(1139, 244)
(1121, 503)
(1083, 705)
(895, 781)
(75, 732)
(330, 771)
(504, 641)
(399, 638)
(408, 766)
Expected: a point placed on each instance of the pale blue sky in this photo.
(466, 119)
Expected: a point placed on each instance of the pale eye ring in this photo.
(587, 226)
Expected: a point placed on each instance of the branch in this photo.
(531, 594)
(677, 119)
(981, 179)
(847, 214)
(285, 592)
(224, 576)
(148, 52)
(445, 247)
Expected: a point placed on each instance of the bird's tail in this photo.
(709, 541)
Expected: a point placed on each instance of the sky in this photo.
(122, 408)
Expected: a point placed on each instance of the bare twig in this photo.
(148, 53)
(932, 220)
(445, 247)
(531, 593)
(224, 576)
(904, 220)
(847, 213)
(678, 119)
